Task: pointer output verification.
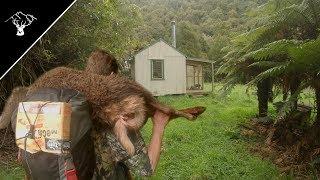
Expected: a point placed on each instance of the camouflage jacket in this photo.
(109, 153)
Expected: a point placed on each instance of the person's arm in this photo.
(160, 120)
(145, 160)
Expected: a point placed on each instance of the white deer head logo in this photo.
(21, 20)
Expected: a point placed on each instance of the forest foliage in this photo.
(282, 54)
(204, 27)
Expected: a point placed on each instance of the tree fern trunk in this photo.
(294, 86)
(263, 92)
(284, 95)
(317, 122)
(314, 133)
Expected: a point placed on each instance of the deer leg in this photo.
(189, 113)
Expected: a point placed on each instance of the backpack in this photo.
(53, 133)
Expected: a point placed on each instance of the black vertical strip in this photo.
(13, 47)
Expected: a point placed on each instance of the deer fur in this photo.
(17, 95)
(121, 103)
(102, 62)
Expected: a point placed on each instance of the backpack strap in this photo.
(70, 169)
(67, 168)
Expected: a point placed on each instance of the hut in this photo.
(163, 70)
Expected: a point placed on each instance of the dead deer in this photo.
(121, 103)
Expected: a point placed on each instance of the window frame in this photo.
(162, 68)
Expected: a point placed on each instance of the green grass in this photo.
(11, 172)
(210, 147)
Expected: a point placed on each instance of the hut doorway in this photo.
(194, 77)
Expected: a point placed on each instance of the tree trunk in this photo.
(317, 122)
(314, 133)
(263, 92)
(284, 95)
(294, 85)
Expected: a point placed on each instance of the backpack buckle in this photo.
(71, 174)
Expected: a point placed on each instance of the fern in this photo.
(286, 47)
(272, 55)
(306, 57)
(272, 72)
(286, 109)
(303, 17)
(266, 64)
(229, 85)
(273, 49)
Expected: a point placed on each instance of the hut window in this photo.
(157, 72)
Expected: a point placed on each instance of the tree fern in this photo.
(288, 105)
(274, 49)
(272, 72)
(266, 64)
(303, 18)
(306, 57)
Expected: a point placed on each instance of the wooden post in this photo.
(212, 77)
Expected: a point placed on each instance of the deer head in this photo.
(21, 20)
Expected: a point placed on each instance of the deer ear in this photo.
(121, 133)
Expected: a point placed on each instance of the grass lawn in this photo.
(209, 148)
(10, 172)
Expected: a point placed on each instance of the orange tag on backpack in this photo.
(43, 126)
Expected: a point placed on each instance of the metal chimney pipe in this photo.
(174, 42)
